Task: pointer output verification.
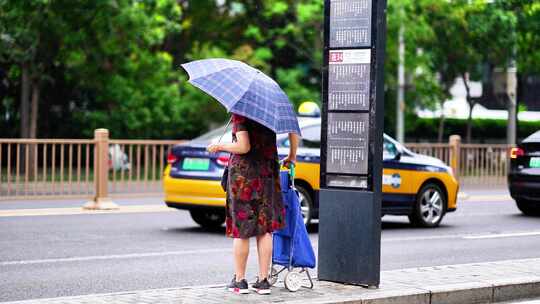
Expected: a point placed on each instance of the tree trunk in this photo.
(34, 109)
(25, 100)
(469, 123)
(471, 106)
(440, 133)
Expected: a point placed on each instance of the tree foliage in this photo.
(115, 63)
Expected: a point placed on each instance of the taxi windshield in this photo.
(214, 135)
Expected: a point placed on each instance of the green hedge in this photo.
(483, 130)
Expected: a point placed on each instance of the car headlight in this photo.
(450, 171)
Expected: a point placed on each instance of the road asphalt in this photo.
(43, 256)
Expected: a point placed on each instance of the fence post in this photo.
(101, 199)
(455, 150)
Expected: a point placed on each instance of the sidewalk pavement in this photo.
(460, 284)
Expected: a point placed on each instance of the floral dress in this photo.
(254, 201)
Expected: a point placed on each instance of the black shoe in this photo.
(261, 287)
(238, 287)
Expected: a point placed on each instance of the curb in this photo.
(469, 293)
(507, 290)
(487, 282)
(463, 196)
(81, 211)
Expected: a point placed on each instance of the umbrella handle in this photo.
(292, 172)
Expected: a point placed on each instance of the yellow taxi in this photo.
(418, 186)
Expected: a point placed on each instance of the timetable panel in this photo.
(349, 80)
(347, 143)
(350, 23)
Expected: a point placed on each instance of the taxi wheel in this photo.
(208, 219)
(527, 208)
(306, 204)
(430, 206)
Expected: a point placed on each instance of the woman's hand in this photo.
(288, 160)
(214, 148)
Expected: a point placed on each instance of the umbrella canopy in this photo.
(246, 91)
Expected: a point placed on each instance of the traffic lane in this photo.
(419, 254)
(19, 282)
(214, 266)
(101, 276)
(106, 253)
(476, 232)
(471, 217)
(52, 237)
(110, 234)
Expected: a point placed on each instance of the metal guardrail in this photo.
(137, 165)
(53, 168)
(473, 164)
(46, 168)
(484, 164)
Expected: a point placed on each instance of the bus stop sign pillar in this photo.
(351, 142)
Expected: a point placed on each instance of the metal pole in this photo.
(512, 104)
(511, 128)
(400, 104)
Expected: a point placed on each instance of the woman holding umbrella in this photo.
(254, 200)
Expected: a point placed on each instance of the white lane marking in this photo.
(460, 236)
(420, 238)
(524, 302)
(117, 256)
(501, 235)
(228, 250)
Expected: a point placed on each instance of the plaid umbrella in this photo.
(246, 91)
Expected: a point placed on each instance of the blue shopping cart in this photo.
(291, 245)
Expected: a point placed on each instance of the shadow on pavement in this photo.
(521, 215)
(197, 229)
(314, 228)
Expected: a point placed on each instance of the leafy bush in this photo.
(483, 130)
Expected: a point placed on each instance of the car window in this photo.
(389, 149)
(216, 133)
(311, 137)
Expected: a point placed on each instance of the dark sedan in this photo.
(524, 175)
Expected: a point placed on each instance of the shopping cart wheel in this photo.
(273, 277)
(293, 281)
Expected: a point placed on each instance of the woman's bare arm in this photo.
(294, 139)
(241, 146)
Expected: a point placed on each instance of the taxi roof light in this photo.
(309, 109)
